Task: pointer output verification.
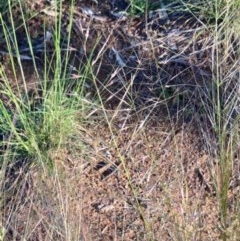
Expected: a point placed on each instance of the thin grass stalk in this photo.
(15, 43)
(221, 106)
(28, 39)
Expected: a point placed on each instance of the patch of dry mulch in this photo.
(125, 184)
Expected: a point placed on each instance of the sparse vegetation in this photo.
(119, 128)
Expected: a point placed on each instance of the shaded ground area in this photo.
(147, 176)
(155, 60)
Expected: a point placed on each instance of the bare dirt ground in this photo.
(153, 183)
(127, 182)
(146, 176)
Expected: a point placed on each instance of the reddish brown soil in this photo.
(152, 183)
